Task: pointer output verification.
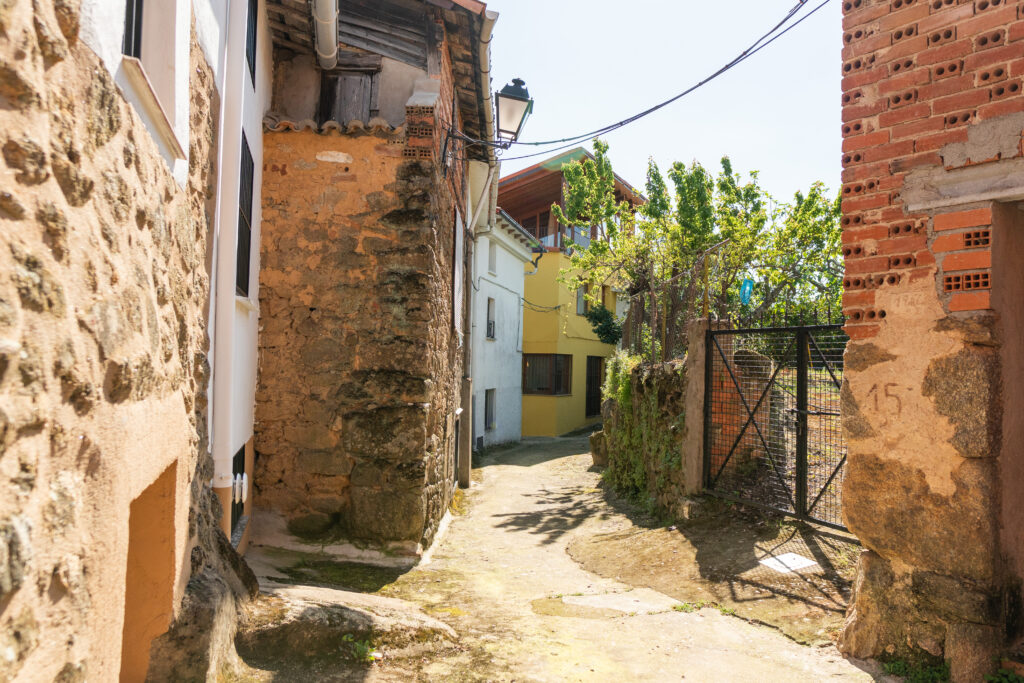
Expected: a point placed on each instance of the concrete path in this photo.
(525, 611)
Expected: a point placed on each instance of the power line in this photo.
(761, 43)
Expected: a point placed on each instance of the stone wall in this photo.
(932, 126)
(103, 295)
(359, 366)
(644, 427)
(653, 426)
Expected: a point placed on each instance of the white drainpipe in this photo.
(466, 433)
(325, 30)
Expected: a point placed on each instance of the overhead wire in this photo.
(764, 41)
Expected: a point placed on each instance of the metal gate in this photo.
(772, 432)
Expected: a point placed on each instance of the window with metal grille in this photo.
(547, 373)
(244, 220)
(132, 43)
(489, 409)
(250, 40)
(491, 328)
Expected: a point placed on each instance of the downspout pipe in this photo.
(325, 32)
(466, 431)
(223, 287)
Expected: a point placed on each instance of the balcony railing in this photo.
(580, 236)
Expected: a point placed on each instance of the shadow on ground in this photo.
(715, 557)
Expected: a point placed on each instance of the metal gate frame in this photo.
(803, 337)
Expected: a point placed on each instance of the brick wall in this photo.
(932, 123)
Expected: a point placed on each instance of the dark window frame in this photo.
(492, 306)
(250, 39)
(490, 409)
(237, 506)
(243, 255)
(131, 43)
(581, 298)
(556, 385)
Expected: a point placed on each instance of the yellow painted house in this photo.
(563, 360)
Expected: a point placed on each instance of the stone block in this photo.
(954, 535)
(599, 449)
(397, 433)
(386, 514)
(332, 462)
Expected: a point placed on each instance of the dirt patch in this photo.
(715, 557)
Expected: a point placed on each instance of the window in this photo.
(250, 40)
(132, 44)
(237, 470)
(489, 417)
(530, 225)
(490, 318)
(547, 373)
(542, 223)
(582, 305)
(492, 257)
(245, 181)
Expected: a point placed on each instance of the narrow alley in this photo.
(521, 609)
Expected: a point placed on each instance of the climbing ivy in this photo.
(641, 437)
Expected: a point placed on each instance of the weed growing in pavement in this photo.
(360, 650)
(918, 672)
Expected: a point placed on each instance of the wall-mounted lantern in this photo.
(513, 107)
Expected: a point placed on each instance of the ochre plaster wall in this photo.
(560, 331)
(932, 127)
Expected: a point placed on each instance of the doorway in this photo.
(149, 579)
(595, 376)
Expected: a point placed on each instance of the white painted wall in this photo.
(165, 54)
(497, 364)
(166, 41)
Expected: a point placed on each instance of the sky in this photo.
(588, 63)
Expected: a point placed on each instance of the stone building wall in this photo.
(932, 119)
(359, 366)
(103, 376)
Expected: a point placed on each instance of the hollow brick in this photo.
(963, 219)
(969, 260)
(945, 53)
(965, 100)
(928, 143)
(991, 56)
(907, 163)
(855, 332)
(916, 128)
(970, 301)
(947, 86)
(867, 264)
(988, 20)
(905, 80)
(903, 17)
(866, 140)
(950, 17)
(1001, 108)
(862, 78)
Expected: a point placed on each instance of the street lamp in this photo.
(514, 106)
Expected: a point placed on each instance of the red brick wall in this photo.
(933, 113)
(917, 76)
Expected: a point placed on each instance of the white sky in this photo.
(588, 63)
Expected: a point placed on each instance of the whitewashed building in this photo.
(503, 255)
(146, 49)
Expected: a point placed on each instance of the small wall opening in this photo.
(149, 580)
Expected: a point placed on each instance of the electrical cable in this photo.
(761, 43)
